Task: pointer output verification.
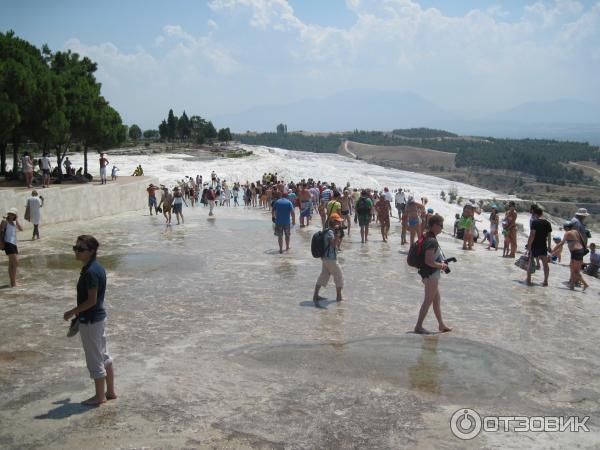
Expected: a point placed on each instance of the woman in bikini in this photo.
(578, 251)
(413, 213)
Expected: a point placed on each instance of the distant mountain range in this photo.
(367, 109)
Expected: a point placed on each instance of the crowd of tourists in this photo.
(338, 210)
(341, 209)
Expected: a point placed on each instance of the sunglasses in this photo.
(79, 249)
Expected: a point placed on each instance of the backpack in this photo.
(362, 206)
(416, 255)
(317, 244)
(2, 233)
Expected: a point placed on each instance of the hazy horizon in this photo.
(471, 58)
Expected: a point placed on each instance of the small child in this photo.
(487, 236)
(557, 256)
(113, 173)
(456, 220)
(506, 249)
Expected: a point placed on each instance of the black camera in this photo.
(449, 260)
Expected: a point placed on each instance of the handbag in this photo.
(526, 263)
(27, 213)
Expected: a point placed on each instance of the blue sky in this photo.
(224, 56)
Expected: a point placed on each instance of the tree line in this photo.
(542, 158)
(53, 101)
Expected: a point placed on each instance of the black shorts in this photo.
(578, 255)
(46, 171)
(535, 252)
(426, 271)
(10, 249)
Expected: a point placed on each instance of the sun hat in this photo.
(557, 238)
(582, 212)
(429, 210)
(14, 211)
(336, 217)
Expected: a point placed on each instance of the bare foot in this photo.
(317, 298)
(280, 251)
(444, 329)
(339, 299)
(545, 283)
(421, 330)
(93, 401)
(112, 396)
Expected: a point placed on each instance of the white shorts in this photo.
(330, 267)
(93, 338)
(102, 172)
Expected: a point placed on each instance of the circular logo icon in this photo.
(465, 424)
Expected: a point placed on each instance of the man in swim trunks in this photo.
(364, 205)
(103, 166)
(540, 241)
(152, 198)
(305, 205)
(283, 210)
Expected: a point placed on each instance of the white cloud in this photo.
(276, 13)
(584, 27)
(141, 85)
(481, 50)
(483, 59)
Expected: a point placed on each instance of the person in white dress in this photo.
(34, 204)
